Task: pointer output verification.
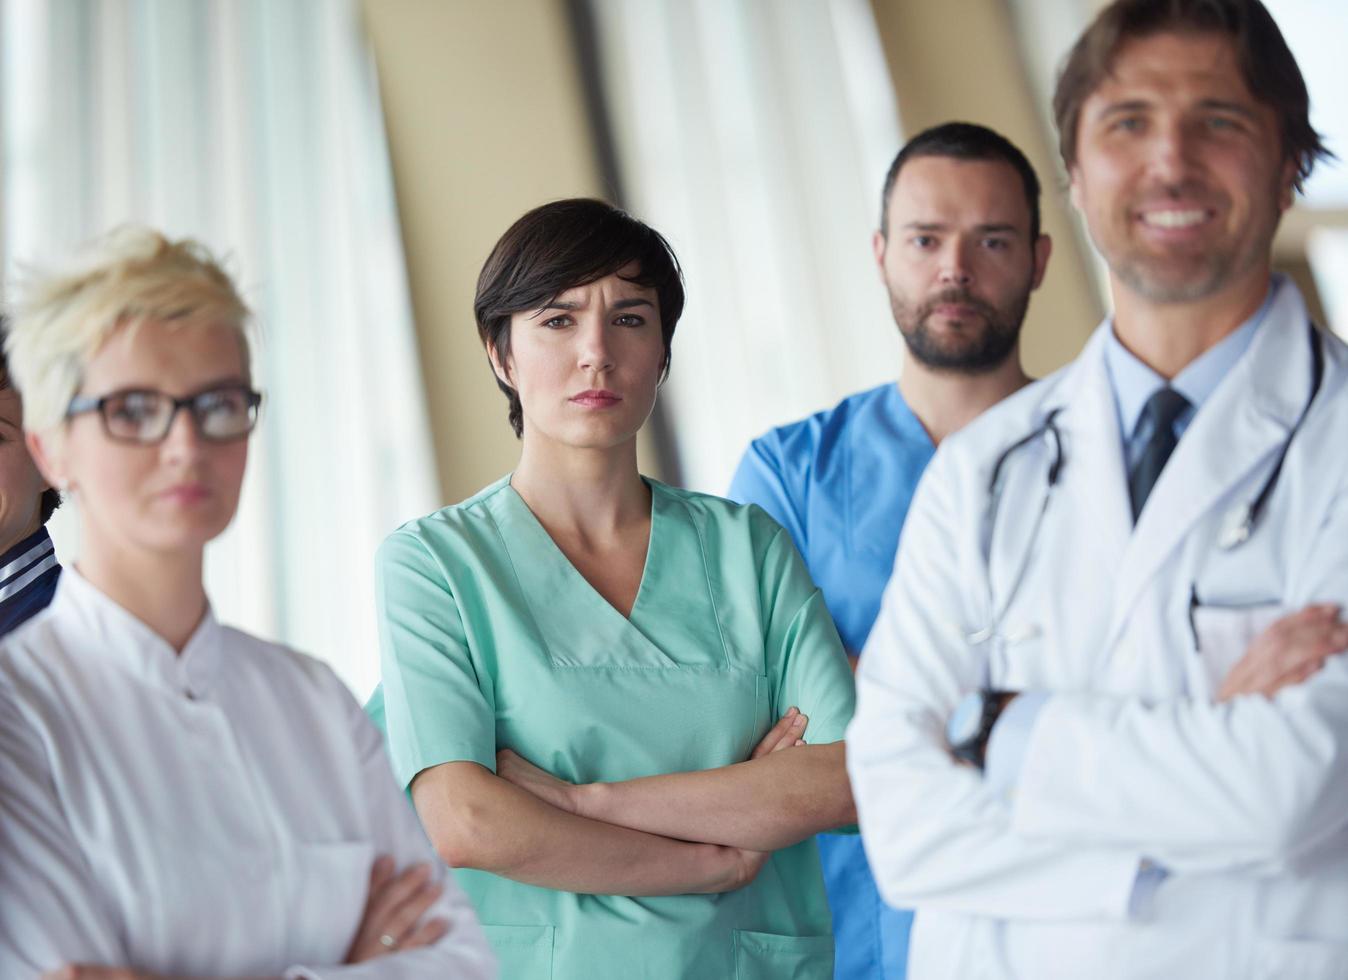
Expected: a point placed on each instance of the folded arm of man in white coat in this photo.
(1107, 782)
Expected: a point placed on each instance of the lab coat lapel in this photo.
(1014, 539)
(1094, 485)
(1240, 428)
(576, 623)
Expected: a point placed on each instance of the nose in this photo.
(955, 268)
(183, 441)
(596, 349)
(1172, 152)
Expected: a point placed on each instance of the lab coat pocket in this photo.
(522, 951)
(1299, 959)
(1222, 634)
(331, 884)
(764, 956)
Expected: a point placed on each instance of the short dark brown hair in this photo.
(1266, 64)
(51, 497)
(562, 245)
(964, 141)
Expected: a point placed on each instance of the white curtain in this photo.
(756, 134)
(255, 127)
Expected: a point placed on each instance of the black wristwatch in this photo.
(970, 724)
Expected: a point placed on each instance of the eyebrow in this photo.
(989, 227)
(1127, 105)
(1235, 108)
(622, 304)
(224, 381)
(1136, 105)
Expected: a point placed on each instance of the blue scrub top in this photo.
(840, 482)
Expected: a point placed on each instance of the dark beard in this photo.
(979, 350)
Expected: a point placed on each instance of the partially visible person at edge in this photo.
(582, 667)
(178, 798)
(28, 565)
(959, 249)
(1102, 721)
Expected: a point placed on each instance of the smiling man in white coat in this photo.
(1100, 731)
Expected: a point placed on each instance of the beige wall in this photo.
(957, 59)
(485, 119)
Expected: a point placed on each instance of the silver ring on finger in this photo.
(388, 942)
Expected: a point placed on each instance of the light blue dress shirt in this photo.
(1132, 383)
(840, 482)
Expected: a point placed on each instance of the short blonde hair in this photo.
(131, 275)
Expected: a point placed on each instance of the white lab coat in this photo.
(1131, 759)
(209, 814)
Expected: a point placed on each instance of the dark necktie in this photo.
(1162, 409)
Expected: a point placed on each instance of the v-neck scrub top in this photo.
(840, 482)
(491, 639)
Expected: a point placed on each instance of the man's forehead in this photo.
(1175, 66)
(931, 190)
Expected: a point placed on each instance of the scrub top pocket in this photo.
(521, 951)
(764, 956)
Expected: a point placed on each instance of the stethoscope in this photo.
(1236, 528)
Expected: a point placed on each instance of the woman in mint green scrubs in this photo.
(582, 667)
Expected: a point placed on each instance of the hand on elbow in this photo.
(395, 912)
(518, 771)
(1287, 653)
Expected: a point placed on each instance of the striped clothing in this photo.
(28, 574)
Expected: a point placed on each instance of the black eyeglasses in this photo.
(144, 416)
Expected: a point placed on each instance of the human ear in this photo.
(1287, 185)
(1074, 188)
(1043, 248)
(502, 371)
(48, 452)
(878, 244)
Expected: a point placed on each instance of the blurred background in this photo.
(355, 160)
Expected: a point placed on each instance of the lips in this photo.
(597, 398)
(1175, 217)
(186, 493)
(956, 304)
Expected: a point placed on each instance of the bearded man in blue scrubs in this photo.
(959, 250)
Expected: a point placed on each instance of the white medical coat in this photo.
(1244, 803)
(209, 814)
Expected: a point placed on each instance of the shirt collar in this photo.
(23, 564)
(1134, 382)
(110, 632)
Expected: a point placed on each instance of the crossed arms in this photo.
(1248, 783)
(708, 831)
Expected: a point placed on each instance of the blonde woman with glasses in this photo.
(178, 798)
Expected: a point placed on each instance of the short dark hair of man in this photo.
(1266, 63)
(51, 497)
(964, 141)
(562, 245)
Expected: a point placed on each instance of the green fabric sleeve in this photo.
(437, 705)
(806, 664)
